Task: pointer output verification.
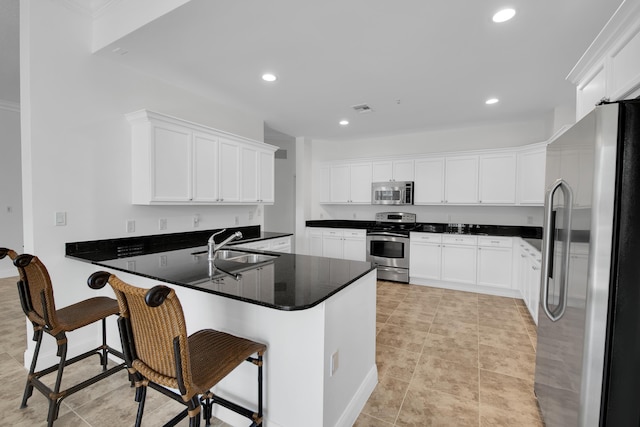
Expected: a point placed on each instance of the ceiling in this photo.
(419, 64)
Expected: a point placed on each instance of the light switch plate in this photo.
(61, 219)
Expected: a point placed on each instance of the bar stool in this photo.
(36, 298)
(160, 354)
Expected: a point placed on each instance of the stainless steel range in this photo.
(388, 245)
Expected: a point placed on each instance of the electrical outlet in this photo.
(250, 215)
(162, 224)
(529, 220)
(131, 226)
(354, 215)
(237, 220)
(196, 221)
(321, 216)
(163, 260)
(131, 265)
(335, 362)
(259, 212)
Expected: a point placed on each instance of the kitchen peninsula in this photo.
(316, 315)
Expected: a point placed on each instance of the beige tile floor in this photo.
(445, 358)
(450, 358)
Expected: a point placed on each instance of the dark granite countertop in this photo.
(426, 227)
(287, 281)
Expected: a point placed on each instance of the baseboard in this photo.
(466, 287)
(355, 406)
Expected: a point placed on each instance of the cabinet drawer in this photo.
(495, 241)
(460, 240)
(355, 234)
(332, 233)
(426, 238)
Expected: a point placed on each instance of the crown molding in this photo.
(624, 23)
(9, 106)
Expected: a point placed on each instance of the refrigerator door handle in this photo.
(548, 240)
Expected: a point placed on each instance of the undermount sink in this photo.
(244, 257)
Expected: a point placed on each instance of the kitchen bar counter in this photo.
(316, 315)
(289, 281)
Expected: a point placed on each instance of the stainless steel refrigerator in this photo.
(588, 352)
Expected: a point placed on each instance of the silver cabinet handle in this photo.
(547, 244)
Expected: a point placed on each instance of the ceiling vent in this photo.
(362, 108)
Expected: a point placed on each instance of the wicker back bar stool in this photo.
(36, 297)
(160, 354)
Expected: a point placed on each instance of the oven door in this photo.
(388, 249)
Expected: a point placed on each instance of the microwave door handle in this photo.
(547, 253)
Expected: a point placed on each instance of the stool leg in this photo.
(103, 356)
(141, 395)
(260, 363)
(54, 404)
(194, 421)
(28, 388)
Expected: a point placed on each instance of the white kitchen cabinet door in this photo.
(266, 172)
(170, 164)
(497, 179)
(281, 244)
(459, 263)
(315, 242)
(332, 246)
(249, 175)
(403, 170)
(429, 181)
(425, 260)
(382, 171)
(360, 183)
(354, 245)
(461, 180)
(533, 282)
(205, 168)
(340, 184)
(494, 266)
(229, 171)
(531, 175)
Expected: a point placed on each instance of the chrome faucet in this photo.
(214, 248)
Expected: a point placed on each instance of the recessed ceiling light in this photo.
(344, 122)
(491, 101)
(268, 77)
(504, 15)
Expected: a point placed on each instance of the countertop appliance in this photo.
(392, 193)
(388, 245)
(588, 352)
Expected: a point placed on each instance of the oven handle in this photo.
(386, 234)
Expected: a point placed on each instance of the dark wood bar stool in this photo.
(36, 297)
(160, 354)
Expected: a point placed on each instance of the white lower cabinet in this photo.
(465, 262)
(341, 243)
(495, 257)
(425, 256)
(528, 267)
(280, 244)
(459, 259)
(344, 244)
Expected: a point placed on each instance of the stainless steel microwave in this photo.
(392, 193)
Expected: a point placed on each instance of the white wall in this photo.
(457, 139)
(280, 217)
(10, 184)
(76, 143)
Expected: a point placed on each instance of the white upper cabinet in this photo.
(429, 181)
(393, 170)
(257, 175)
(345, 183)
(205, 176)
(531, 175)
(461, 180)
(497, 179)
(179, 162)
(610, 68)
